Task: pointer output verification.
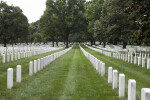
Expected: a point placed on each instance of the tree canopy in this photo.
(13, 24)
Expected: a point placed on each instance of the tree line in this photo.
(107, 21)
(119, 21)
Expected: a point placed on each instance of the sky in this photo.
(33, 9)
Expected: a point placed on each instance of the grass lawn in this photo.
(25, 70)
(70, 77)
(131, 71)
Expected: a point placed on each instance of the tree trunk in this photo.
(53, 42)
(27, 42)
(91, 43)
(124, 45)
(67, 43)
(67, 36)
(94, 43)
(104, 44)
(5, 43)
(56, 42)
(100, 43)
(115, 43)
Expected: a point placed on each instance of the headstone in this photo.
(131, 89)
(110, 74)
(8, 58)
(145, 94)
(139, 61)
(121, 85)
(18, 74)
(131, 58)
(35, 66)
(12, 57)
(145, 56)
(31, 68)
(135, 60)
(103, 69)
(148, 63)
(115, 79)
(128, 58)
(18, 55)
(3, 58)
(99, 66)
(39, 64)
(143, 62)
(15, 56)
(9, 78)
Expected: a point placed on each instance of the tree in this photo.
(118, 26)
(93, 13)
(141, 9)
(13, 23)
(62, 18)
(38, 37)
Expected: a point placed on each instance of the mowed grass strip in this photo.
(24, 62)
(70, 77)
(131, 71)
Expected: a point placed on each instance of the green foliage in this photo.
(38, 37)
(35, 40)
(114, 24)
(141, 9)
(13, 23)
(62, 18)
(93, 13)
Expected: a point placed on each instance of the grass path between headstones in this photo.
(70, 77)
(131, 71)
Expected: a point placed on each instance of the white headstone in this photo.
(18, 55)
(139, 61)
(131, 58)
(115, 79)
(12, 57)
(143, 62)
(31, 68)
(10, 78)
(128, 58)
(103, 69)
(148, 63)
(35, 66)
(145, 94)
(110, 74)
(39, 64)
(135, 60)
(8, 58)
(18, 74)
(15, 56)
(131, 89)
(3, 58)
(121, 85)
(99, 66)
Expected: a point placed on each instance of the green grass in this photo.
(69, 77)
(131, 71)
(25, 69)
